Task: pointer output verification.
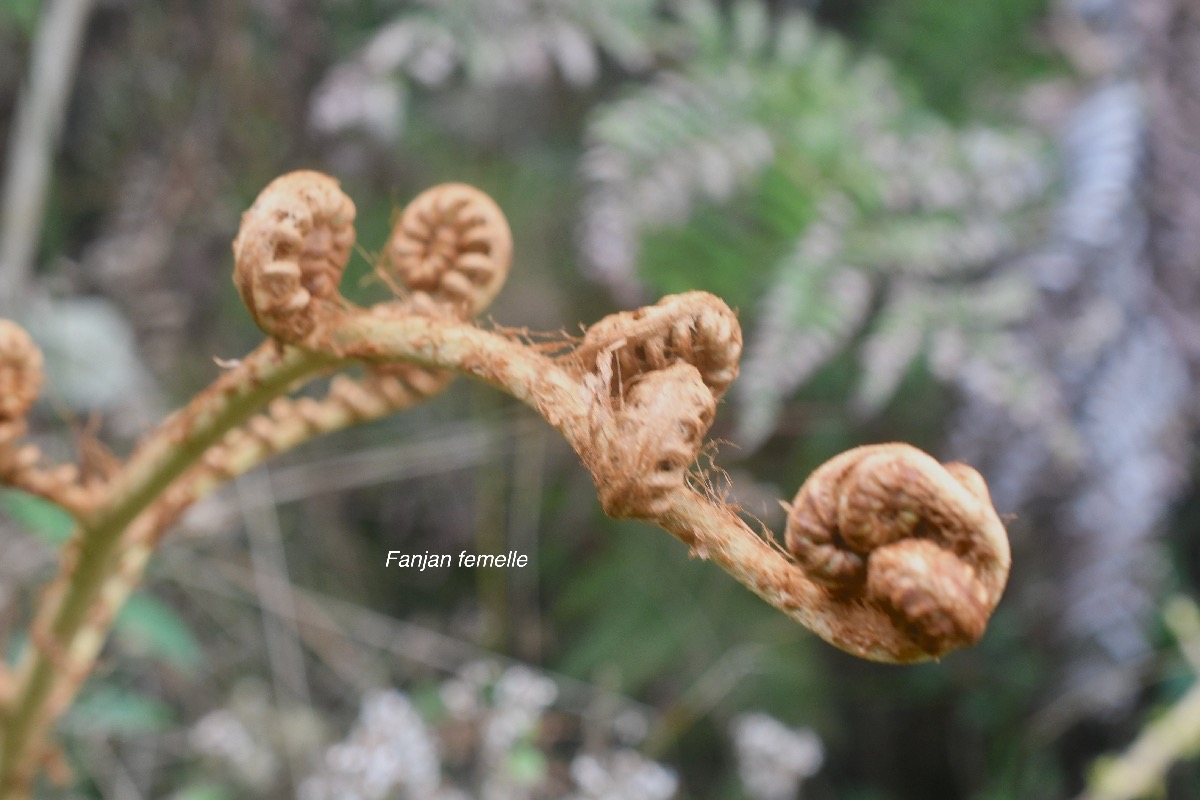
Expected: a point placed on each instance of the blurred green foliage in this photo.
(959, 56)
(782, 170)
(149, 627)
(22, 14)
(40, 517)
(108, 709)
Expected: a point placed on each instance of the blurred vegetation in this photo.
(837, 177)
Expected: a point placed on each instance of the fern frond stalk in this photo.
(891, 556)
(74, 614)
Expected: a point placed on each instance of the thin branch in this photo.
(35, 133)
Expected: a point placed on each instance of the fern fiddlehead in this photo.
(452, 248)
(291, 249)
(889, 524)
(635, 398)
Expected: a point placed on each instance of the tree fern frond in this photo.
(489, 44)
(1102, 154)
(751, 29)
(931, 167)
(965, 327)
(896, 339)
(1119, 415)
(794, 35)
(926, 206)
(654, 155)
(809, 312)
(1009, 168)
(703, 133)
(999, 368)
(929, 246)
(1132, 420)
(701, 22)
(627, 31)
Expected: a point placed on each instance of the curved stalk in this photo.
(890, 555)
(62, 642)
(710, 528)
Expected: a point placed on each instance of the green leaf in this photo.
(40, 517)
(147, 626)
(526, 764)
(927, 40)
(107, 709)
(21, 13)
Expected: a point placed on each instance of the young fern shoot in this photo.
(889, 554)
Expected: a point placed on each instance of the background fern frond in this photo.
(730, 167)
(488, 45)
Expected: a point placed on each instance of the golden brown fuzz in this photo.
(655, 433)
(693, 328)
(290, 252)
(890, 525)
(696, 328)
(895, 557)
(452, 248)
(20, 372)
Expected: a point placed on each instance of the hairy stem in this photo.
(715, 533)
(108, 556)
(519, 371)
(890, 555)
(710, 529)
(71, 623)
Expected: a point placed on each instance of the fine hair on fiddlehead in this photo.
(889, 554)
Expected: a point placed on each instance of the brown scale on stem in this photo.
(654, 377)
(289, 254)
(889, 525)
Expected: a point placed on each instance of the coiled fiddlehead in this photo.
(20, 373)
(889, 525)
(645, 443)
(896, 557)
(289, 254)
(694, 328)
(451, 248)
(654, 378)
(21, 378)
